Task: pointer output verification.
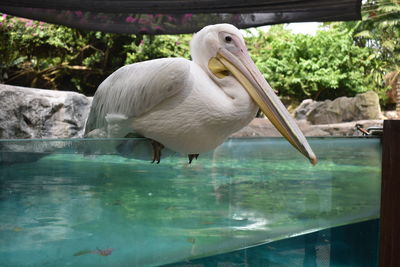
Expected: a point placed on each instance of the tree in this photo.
(42, 55)
(380, 30)
(324, 66)
(298, 66)
(382, 25)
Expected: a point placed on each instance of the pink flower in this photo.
(158, 28)
(141, 42)
(171, 18)
(187, 17)
(29, 23)
(144, 21)
(177, 43)
(130, 19)
(79, 14)
(4, 16)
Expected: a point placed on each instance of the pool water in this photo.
(67, 202)
(344, 246)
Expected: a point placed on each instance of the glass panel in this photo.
(343, 246)
(79, 202)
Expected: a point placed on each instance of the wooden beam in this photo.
(398, 96)
(389, 252)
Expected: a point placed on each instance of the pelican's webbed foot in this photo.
(157, 147)
(192, 156)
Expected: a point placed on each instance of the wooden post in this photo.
(398, 96)
(389, 252)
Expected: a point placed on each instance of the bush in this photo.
(298, 66)
(324, 66)
(42, 55)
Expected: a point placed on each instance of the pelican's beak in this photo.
(242, 67)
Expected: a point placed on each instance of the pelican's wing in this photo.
(135, 89)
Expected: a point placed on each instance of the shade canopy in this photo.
(178, 16)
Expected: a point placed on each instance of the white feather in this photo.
(135, 89)
(177, 102)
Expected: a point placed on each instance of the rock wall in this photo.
(343, 109)
(36, 113)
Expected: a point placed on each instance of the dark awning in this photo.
(178, 16)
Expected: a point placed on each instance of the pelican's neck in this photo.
(241, 108)
(240, 102)
(233, 89)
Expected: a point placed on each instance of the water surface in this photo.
(57, 199)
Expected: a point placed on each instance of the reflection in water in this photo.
(246, 192)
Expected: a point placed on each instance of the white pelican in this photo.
(191, 106)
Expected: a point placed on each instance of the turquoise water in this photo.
(62, 200)
(344, 246)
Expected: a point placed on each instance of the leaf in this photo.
(364, 34)
(389, 45)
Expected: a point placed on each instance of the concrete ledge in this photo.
(262, 127)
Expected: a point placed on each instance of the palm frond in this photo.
(365, 34)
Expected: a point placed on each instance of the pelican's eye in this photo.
(228, 39)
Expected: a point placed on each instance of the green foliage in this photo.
(379, 30)
(301, 66)
(43, 55)
(152, 47)
(382, 22)
(335, 62)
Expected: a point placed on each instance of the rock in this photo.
(305, 107)
(262, 127)
(343, 109)
(257, 127)
(390, 115)
(36, 113)
(340, 129)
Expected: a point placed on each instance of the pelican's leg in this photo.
(192, 156)
(157, 147)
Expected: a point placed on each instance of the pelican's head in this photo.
(207, 42)
(221, 50)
